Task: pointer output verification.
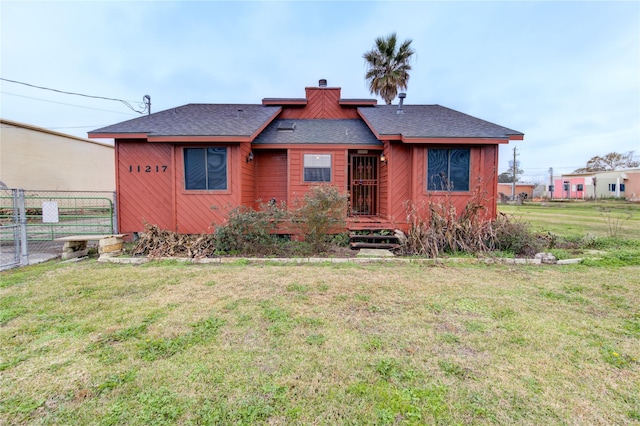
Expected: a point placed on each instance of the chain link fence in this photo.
(31, 220)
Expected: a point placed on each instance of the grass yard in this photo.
(244, 343)
(601, 219)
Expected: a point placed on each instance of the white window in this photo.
(317, 167)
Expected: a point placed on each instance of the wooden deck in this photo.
(373, 223)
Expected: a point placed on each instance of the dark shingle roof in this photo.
(349, 132)
(244, 120)
(430, 121)
(198, 120)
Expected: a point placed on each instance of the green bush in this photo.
(249, 231)
(322, 213)
(319, 217)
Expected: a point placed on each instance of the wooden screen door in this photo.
(363, 184)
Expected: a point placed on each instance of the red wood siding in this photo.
(489, 178)
(482, 177)
(297, 186)
(248, 175)
(383, 184)
(321, 103)
(271, 176)
(198, 211)
(144, 185)
(399, 167)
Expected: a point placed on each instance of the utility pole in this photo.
(551, 182)
(515, 168)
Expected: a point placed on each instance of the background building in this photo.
(34, 158)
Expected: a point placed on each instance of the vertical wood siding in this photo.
(248, 175)
(384, 185)
(271, 176)
(400, 171)
(489, 175)
(145, 195)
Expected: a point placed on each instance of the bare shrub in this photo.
(516, 237)
(614, 221)
(436, 228)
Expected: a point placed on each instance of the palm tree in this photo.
(388, 67)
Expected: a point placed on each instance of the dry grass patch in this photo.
(329, 343)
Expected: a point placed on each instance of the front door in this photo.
(363, 185)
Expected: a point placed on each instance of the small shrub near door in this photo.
(321, 214)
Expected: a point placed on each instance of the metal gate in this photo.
(32, 220)
(10, 241)
(363, 184)
(53, 214)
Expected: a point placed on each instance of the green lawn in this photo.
(602, 219)
(244, 343)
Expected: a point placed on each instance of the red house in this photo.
(181, 168)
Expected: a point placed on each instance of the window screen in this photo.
(448, 169)
(205, 168)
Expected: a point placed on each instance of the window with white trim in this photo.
(205, 168)
(317, 167)
(448, 169)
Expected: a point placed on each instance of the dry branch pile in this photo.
(156, 242)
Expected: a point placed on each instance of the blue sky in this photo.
(567, 74)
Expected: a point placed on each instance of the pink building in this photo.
(572, 187)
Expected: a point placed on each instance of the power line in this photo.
(63, 103)
(146, 99)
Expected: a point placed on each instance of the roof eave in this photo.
(119, 135)
(284, 101)
(451, 140)
(358, 102)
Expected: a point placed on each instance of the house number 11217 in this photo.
(147, 169)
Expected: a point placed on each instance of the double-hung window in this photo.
(205, 168)
(448, 169)
(317, 167)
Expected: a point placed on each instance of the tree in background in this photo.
(507, 177)
(611, 161)
(388, 67)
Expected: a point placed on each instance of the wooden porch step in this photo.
(359, 245)
(374, 240)
(372, 237)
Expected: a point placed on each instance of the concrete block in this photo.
(546, 258)
(77, 245)
(73, 255)
(569, 261)
(113, 248)
(109, 241)
(374, 253)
